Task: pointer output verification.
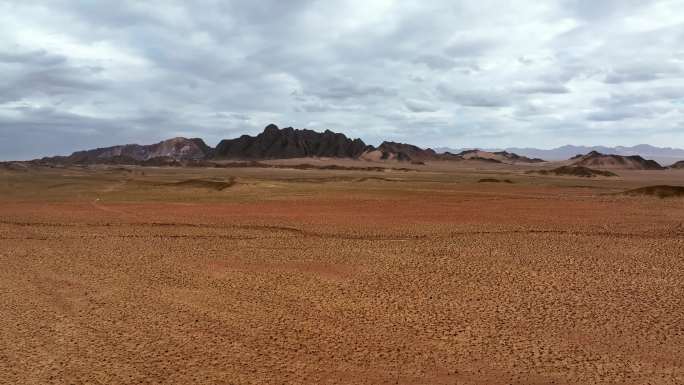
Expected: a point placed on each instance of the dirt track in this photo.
(375, 282)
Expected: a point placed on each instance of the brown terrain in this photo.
(339, 272)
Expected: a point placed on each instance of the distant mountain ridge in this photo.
(277, 143)
(272, 143)
(499, 156)
(663, 155)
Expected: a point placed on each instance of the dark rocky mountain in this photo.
(170, 150)
(610, 161)
(275, 143)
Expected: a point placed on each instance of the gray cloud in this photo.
(542, 88)
(40, 57)
(349, 89)
(593, 10)
(474, 97)
(80, 74)
(416, 105)
(617, 78)
(614, 115)
(645, 71)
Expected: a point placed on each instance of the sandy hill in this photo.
(598, 160)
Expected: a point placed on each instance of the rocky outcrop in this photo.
(404, 152)
(598, 160)
(275, 143)
(678, 165)
(170, 150)
(498, 157)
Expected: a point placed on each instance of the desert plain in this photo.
(429, 274)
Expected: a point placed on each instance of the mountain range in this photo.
(272, 143)
(663, 155)
(277, 143)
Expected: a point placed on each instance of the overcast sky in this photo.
(81, 74)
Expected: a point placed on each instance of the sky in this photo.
(441, 73)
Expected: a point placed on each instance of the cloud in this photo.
(436, 62)
(542, 88)
(474, 97)
(415, 105)
(631, 97)
(31, 74)
(75, 75)
(617, 78)
(40, 57)
(613, 115)
(349, 89)
(593, 10)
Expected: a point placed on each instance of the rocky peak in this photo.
(275, 143)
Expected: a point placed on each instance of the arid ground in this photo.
(129, 275)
